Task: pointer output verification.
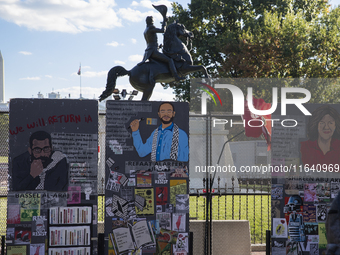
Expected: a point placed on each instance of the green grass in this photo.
(257, 214)
(3, 159)
(3, 215)
(101, 208)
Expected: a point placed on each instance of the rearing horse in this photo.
(145, 76)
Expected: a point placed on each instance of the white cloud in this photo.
(133, 40)
(30, 78)
(118, 62)
(75, 16)
(25, 52)
(135, 15)
(134, 3)
(148, 3)
(114, 44)
(48, 76)
(135, 58)
(60, 15)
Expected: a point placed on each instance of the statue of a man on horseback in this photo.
(172, 65)
(151, 52)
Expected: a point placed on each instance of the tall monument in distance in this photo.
(2, 83)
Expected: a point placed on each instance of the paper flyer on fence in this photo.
(178, 222)
(16, 250)
(280, 227)
(149, 207)
(182, 244)
(37, 249)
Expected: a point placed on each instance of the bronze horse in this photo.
(144, 77)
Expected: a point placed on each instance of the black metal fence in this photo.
(4, 120)
(243, 199)
(246, 199)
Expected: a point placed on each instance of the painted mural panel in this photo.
(147, 145)
(53, 176)
(309, 151)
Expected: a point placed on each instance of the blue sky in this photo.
(43, 43)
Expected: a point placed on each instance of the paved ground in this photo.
(258, 253)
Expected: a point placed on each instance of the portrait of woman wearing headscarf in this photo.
(323, 146)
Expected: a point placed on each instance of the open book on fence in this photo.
(132, 237)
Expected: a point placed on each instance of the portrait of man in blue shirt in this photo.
(167, 142)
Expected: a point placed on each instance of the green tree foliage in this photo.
(266, 39)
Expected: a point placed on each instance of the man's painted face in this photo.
(166, 113)
(42, 150)
(326, 127)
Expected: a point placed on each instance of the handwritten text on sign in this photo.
(41, 122)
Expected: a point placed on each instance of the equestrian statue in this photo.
(172, 65)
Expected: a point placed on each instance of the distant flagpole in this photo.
(79, 73)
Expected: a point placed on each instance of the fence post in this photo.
(191, 243)
(2, 245)
(101, 243)
(268, 242)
